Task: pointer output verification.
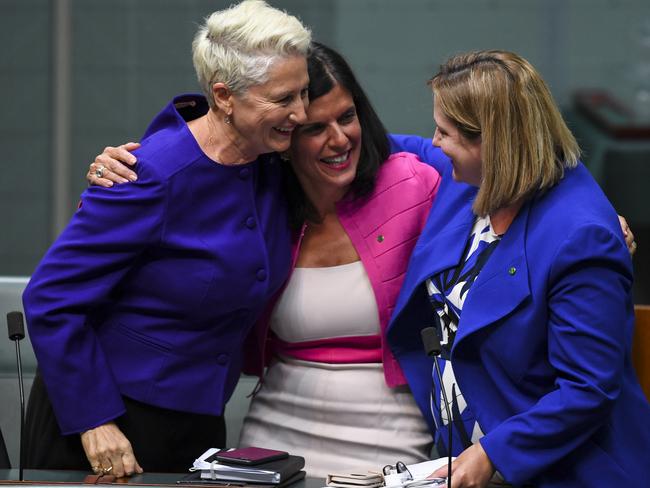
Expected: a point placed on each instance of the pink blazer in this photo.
(383, 228)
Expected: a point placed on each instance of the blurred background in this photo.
(78, 75)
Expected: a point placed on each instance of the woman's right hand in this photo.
(112, 166)
(109, 451)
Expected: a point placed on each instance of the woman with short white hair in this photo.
(138, 311)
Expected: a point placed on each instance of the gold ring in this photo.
(99, 172)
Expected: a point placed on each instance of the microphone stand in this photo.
(433, 349)
(16, 329)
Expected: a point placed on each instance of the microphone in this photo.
(433, 349)
(15, 326)
(16, 329)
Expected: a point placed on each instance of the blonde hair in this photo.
(238, 45)
(525, 144)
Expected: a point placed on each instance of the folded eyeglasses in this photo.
(399, 476)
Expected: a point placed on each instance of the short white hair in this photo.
(238, 45)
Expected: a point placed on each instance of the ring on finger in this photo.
(99, 172)
(107, 470)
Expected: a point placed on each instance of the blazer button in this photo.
(250, 223)
(222, 359)
(261, 274)
(244, 173)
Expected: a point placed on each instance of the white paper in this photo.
(421, 470)
(200, 462)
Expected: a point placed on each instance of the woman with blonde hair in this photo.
(523, 271)
(138, 312)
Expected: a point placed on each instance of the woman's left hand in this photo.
(113, 166)
(472, 468)
(629, 236)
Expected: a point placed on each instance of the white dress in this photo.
(340, 417)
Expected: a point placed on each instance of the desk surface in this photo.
(59, 479)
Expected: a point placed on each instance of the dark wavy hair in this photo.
(327, 68)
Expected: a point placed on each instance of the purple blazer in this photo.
(151, 289)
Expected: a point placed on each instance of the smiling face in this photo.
(325, 150)
(465, 153)
(265, 116)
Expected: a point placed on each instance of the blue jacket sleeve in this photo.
(78, 276)
(589, 283)
(422, 147)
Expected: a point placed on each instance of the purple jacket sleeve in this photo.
(422, 147)
(76, 278)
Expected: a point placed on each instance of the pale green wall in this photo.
(24, 133)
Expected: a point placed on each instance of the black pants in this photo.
(162, 440)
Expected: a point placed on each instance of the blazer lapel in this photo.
(445, 251)
(443, 240)
(502, 284)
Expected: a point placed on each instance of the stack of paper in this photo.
(422, 470)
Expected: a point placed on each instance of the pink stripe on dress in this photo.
(336, 350)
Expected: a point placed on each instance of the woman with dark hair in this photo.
(333, 392)
(326, 69)
(357, 212)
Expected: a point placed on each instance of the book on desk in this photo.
(208, 470)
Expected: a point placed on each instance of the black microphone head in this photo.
(430, 341)
(16, 326)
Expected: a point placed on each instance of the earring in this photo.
(227, 119)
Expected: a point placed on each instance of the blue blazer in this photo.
(542, 352)
(151, 289)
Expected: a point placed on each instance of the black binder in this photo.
(195, 479)
(273, 473)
